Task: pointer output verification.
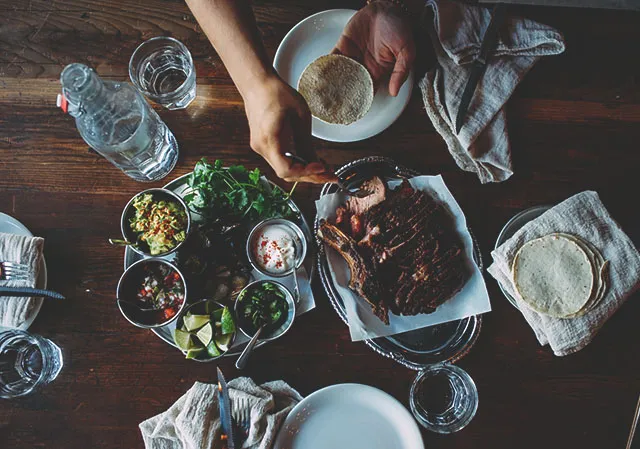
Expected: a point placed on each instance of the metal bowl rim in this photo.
(300, 234)
(291, 303)
(174, 195)
(152, 260)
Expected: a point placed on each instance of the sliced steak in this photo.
(378, 194)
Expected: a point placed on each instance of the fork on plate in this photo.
(241, 413)
(13, 271)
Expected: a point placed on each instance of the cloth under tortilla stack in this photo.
(193, 421)
(25, 250)
(456, 32)
(585, 216)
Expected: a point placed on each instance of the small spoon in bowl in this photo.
(120, 242)
(296, 291)
(244, 357)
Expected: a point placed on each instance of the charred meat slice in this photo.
(363, 280)
(378, 190)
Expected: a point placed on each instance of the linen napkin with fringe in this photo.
(456, 32)
(585, 216)
(193, 421)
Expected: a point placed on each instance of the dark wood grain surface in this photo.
(574, 123)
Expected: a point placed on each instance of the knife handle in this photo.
(30, 292)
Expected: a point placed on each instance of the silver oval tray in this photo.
(180, 186)
(447, 342)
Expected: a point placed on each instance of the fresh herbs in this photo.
(234, 191)
(265, 303)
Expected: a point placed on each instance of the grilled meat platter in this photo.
(402, 249)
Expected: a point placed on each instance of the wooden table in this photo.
(574, 124)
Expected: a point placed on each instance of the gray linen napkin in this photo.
(193, 422)
(25, 250)
(583, 215)
(456, 32)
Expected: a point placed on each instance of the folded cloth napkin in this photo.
(585, 216)
(24, 250)
(193, 422)
(456, 32)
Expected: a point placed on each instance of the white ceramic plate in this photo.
(349, 416)
(10, 225)
(316, 36)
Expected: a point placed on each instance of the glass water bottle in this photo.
(117, 122)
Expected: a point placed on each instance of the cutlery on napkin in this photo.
(457, 29)
(27, 251)
(193, 421)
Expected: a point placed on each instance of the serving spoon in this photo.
(244, 357)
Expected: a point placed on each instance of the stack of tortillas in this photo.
(338, 89)
(560, 275)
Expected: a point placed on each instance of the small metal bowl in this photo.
(128, 286)
(300, 241)
(199, 308)
(129, 212)
(275, 333)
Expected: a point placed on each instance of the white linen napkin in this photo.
(25, 250)
(456, 33)
(193, 421)
(585, 216)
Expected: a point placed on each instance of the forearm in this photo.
(231, 28)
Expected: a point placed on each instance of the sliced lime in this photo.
(205, 334)
(183, 339)
(223, 341)
(194, 353)
(193, 322)
(213, 350)
(228, 326)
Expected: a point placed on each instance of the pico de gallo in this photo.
(160, 224)
(162, 288)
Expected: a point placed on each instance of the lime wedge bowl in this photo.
(199, 331)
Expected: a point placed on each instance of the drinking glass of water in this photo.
(443, 398)
(162, 69)
(27, 362)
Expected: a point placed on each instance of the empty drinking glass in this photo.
(443, 398)
(162, 69)
(27, 362)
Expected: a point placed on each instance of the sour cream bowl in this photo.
(271, 246)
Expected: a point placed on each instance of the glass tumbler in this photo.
(27, 362)
(162, 69)
(443, 398)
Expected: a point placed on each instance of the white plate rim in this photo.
(278, 58)
(41, 282)
(299, 408)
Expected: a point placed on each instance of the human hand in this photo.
(280, 122)
(380, 36)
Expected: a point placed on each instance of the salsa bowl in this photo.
(146, 305)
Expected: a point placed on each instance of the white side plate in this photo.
(316, 36)
(349, 416)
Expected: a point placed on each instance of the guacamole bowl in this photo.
(156, 222)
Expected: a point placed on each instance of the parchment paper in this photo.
(473, 299)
